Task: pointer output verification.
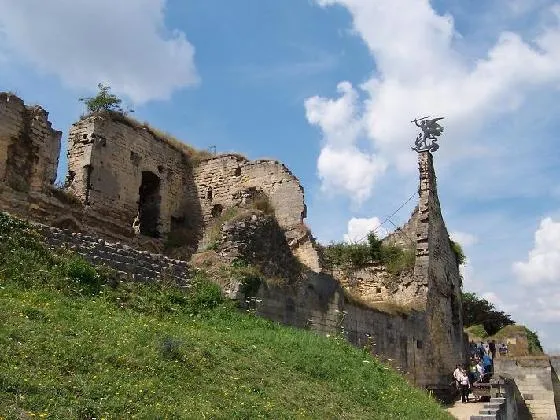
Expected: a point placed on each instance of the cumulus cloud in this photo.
(358, 228)
(342, 166)
(348, 169)
(463, 238)
(539, 275)
(123, 43)
(543, 263)
(419, 72)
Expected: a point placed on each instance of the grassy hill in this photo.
(77, 344)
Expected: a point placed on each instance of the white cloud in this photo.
(123, 43)
(420, 72)
(342, 165)
(539, 275)
(543, 263)
(358, 228)
(348, 169)
(493, 297)
(463, 238)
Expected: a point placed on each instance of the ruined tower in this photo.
(436, 277)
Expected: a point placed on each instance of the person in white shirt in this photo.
(480, 370)
(465, 386)
(456, 376)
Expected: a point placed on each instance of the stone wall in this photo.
(433, 288)
(314, 303)
(534, 378)
(112, 160)
(370, 283)
(437, 278)
(126, 180)
(29, 146)
(373, 283)
(231, 180)
(257, 239)
(405, 236)
(396, 338)
(129, 263)
(318, 303)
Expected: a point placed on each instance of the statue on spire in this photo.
(427, 139)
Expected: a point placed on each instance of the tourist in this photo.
(481, 350)
(457, 376)
(502, 349)
(473, 373)
(492, 347)
(487, 362)
(465, 386)
(480, 370)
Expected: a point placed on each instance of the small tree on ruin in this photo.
(104, 101)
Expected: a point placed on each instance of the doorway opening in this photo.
(149, 204)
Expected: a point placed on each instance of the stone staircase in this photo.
(539, 400)
(495, 409)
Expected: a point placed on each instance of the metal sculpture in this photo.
(427, 139)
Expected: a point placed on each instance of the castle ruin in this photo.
(131, 191)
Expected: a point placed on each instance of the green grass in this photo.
(476, 331)
(77, 345)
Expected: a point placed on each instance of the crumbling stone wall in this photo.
(437, 279)
(370, 283)
(119, 170)
(318, 303)
(29, 146)
(257, 239)
(405, 236)
(373, 283)
(231, 180)
(108, 161)
(128, 263)
(398, 339)
(433, 288)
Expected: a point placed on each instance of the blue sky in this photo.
(329, 88)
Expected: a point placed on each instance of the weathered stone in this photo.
(131, 189)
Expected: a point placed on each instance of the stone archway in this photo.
(149, 204)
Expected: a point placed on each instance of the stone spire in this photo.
(427, 191)
(436, 274)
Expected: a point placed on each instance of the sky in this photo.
(329, 87)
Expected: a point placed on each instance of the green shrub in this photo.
(354, 256)
(375, 247)
(397, 260)
(83, 273)
(458, 251)
(204, 294)
(533, 341)
(344, 255)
